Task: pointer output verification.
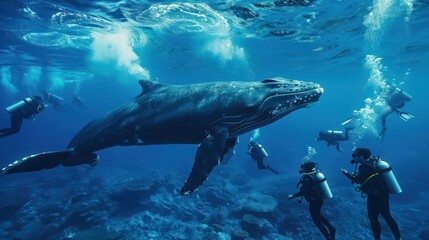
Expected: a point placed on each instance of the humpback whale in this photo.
(210, 114)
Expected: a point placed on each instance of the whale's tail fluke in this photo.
(48, 160)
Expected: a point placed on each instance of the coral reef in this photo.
(229, 207)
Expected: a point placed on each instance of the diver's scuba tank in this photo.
(262, 150)
(322, 183)
(335, 133)
(387, 175)
(402, 95)
(19, 106)
(407, 97)
(53, 98)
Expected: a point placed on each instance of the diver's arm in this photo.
(291, 196)
(347, 120)
(347, 133)
(348, 175)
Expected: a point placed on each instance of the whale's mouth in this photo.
(285, 103)
(272, 108)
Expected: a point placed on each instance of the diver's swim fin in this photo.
(339, 149)
(404, 115)
(272, 170)
(48, 160)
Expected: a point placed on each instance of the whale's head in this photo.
(281, 96)
(262, 103)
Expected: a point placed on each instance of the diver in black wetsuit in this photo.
(24, 109)
(373, 187)
(312, 193)
(258, 153)
(395, 101)
(78, 101)
(333, 137)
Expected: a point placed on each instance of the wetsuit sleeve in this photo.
(349, 176)
(298, 194)
(360, 176)
(305, 188)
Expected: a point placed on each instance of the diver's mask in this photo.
(354, 160)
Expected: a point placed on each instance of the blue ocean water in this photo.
(98, 50)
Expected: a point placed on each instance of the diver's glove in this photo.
(290, 196)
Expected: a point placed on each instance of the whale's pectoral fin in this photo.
(49, 160)
(208, 155)
(229, 150)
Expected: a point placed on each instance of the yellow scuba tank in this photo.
(388, 177)
(322, 183)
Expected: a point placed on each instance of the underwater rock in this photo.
(256, 227)
(258, 203)
(135, 184)
(215, 236)
(290, 224)
(239, 234)
(96, 233)
(220, 192)
(239, 180)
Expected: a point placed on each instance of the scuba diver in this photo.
(24, 109)
(55, 101)
(376, 181)
(258, 153)
(395, 101)
(314, 188)
(333, 137)
(78, 101)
